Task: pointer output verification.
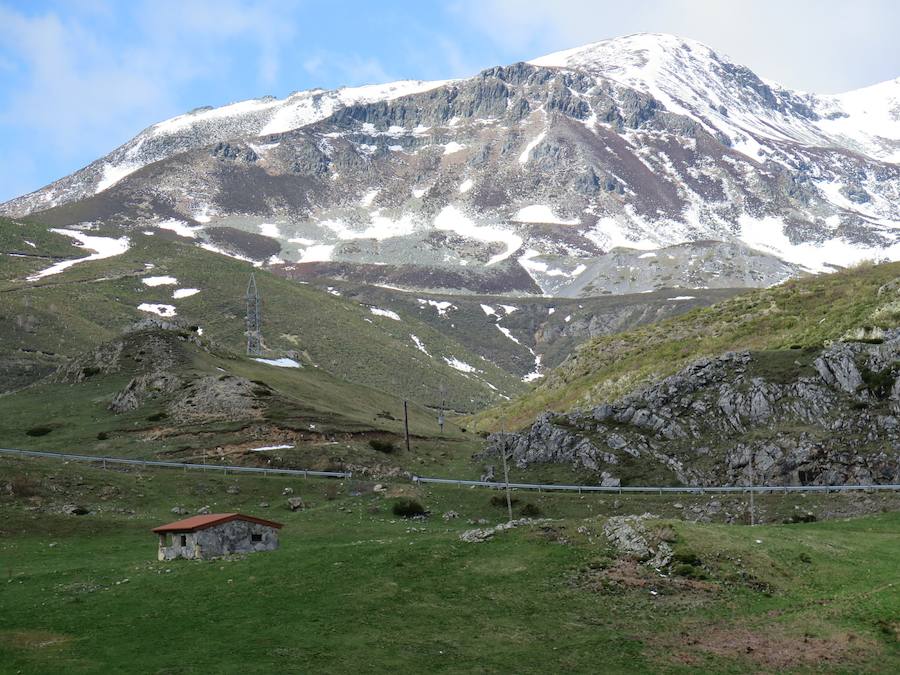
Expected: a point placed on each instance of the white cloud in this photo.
(825, 46)
(86, 77)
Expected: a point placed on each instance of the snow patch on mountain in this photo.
(179, 227)
(461, 366)
(532, 144)
(542, 213)
(167, 311)
(451, 219)
(377, 311)
(419, 344)
(159, 281)
(103, 247)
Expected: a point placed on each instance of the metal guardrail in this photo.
(659, 490)
(457, 481)
(177, 465)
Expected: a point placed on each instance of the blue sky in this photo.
(79, 77)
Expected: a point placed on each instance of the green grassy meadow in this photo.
(355, 589)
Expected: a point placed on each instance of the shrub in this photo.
(407, 508)
(500, 501)
(530, 510)
(38, 431)
(22, 486)
(156, 417)
(102, 436)
(90, 371)
(687, 557)
(879, 383)
(331, 491)
(381, 445)
(805, 558)
(690, 571)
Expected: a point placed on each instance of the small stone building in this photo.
(216, 535)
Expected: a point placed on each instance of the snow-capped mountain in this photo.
(642, 162)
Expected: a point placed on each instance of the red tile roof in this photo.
(195, 523)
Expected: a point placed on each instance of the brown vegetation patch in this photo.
(33, 639)
(628, 574)
(770, 647)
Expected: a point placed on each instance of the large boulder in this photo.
(630, 536)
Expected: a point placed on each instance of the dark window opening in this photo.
(255, 537)
(184, 540)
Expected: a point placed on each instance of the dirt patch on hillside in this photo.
(33, 639)
(626, 574)
(769, 647)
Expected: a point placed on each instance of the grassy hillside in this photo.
(552, 327)
(61, 315)
(800, 313)
(355, 588)
(206, 415)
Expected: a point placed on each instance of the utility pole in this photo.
(443, 405)
(254, 337)
(506, 473)
(406, 424)
(752, 503)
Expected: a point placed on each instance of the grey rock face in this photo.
(806, 418)
(630, 536)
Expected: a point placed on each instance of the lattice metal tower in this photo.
(254, 337)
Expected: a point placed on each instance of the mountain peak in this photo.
(636, 50)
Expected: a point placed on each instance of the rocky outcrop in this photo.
(479, 535)
(791, 417)
(630, 536)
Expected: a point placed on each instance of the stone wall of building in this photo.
(235, 536)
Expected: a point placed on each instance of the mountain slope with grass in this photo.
(805, 313)
(162, 391)
(51, 318)
(807, 391)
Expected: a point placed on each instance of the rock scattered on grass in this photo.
(483, 534)
(630, 536)
(74, 510)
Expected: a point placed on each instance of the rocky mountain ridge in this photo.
(790, 417)
(572, 175)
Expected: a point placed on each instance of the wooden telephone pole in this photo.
(506, 472)
(443, 406)
(752, 503)
(406, 424)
